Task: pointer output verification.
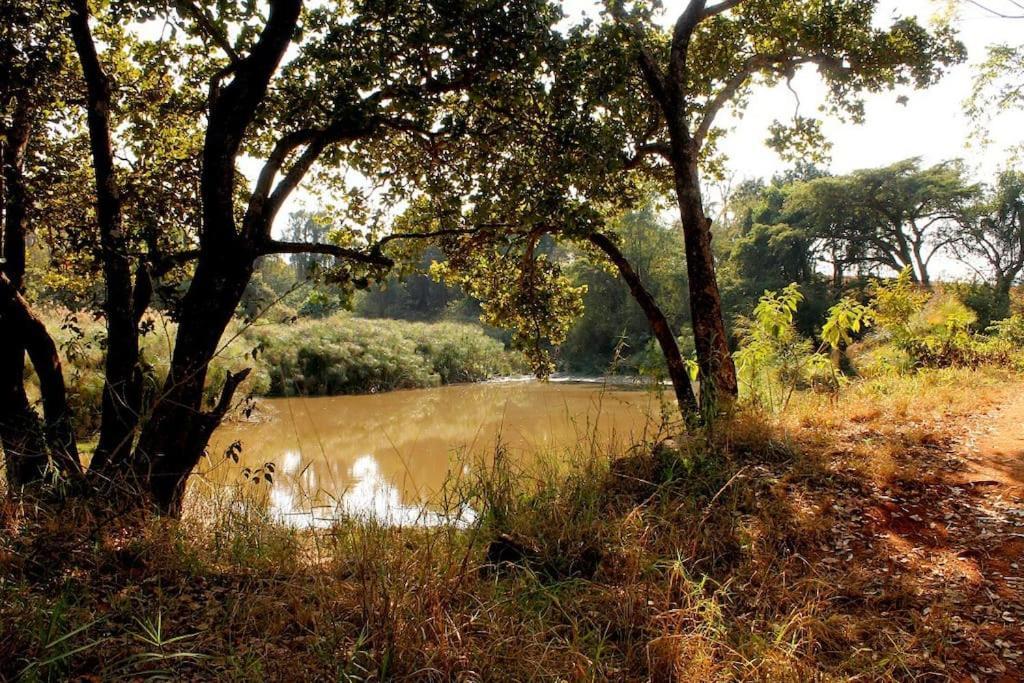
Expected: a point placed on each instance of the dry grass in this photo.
(782, 548)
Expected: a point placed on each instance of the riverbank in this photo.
(835, 540)
(336, 355)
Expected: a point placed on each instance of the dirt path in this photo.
(995, 451)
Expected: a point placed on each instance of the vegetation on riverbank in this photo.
(338, 354)
(828, 541)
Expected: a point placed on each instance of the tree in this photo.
(991, 231)
(34, 59)
(895, 216)
(998, 87)
(625, 105)
(362, 79)
(711, 59)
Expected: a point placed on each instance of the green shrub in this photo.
(932, 329)
(339, 354)
(342, 354)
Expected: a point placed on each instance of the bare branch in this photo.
(995, 12)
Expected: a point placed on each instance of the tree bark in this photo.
(122, 390)
(21, 433)
(662, 331)
(668, 89)
(1001, 298)
(710, 338)
(19, 319)
(176, 434)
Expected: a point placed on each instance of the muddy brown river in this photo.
(402, 456)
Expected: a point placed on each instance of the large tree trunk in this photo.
(122, 390)
(710, 339)
(669, 89)
(176, 434)
(660, 328)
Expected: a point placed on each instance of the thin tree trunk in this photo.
(921, 266)
(122, 390)
(677, 371)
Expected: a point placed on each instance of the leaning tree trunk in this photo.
(20, 322)
(178, 430)
(21, 434)
(677, 371)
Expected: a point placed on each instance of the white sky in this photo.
(931, 125)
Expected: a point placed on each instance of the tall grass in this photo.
(688, 560)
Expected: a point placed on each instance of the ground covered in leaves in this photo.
(877, 537)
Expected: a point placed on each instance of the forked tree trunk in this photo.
(662, 331)
(176, 434)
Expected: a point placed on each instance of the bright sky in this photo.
(931, 125)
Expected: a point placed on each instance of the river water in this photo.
(398, 456)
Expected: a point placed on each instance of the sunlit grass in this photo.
(695, 558)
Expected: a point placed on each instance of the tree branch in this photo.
(645, 150)
(278, 247)
(205, 22)
(722, 6)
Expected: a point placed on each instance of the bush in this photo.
(342, 354)
(932, 329)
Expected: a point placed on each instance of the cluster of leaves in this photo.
(774, 359)
(919, 328)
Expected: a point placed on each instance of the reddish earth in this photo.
(995, 453)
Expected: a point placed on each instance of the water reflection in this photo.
(388, 455)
